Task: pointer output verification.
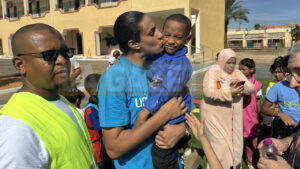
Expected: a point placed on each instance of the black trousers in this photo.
(280, 129)
(166, 158)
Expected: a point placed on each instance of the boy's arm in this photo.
(268, 110)
(143, 115)
(198, 130)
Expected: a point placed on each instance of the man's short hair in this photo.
(91, 82)
(29, 28)
(182, 19)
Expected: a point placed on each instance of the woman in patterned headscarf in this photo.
(222, 108)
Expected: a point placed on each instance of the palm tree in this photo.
(257, 26)
(234, 10)
(296, 33)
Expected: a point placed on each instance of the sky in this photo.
(269, 12)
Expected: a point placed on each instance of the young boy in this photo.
(91, 114)
(168, 75)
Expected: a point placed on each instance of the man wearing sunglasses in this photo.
(38, 127)
(292, 142)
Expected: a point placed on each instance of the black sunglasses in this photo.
(51, 55)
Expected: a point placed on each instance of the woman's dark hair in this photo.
(127, 27)
(249, 63)
(279, 62)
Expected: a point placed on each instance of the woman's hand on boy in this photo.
(196, 126)
(169, 135)
(173, 108)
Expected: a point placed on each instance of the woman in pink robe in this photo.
(222, 108)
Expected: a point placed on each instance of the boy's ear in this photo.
(93, 92)
(134, 45)
(188, 38)
(252, 70)
(19, 64)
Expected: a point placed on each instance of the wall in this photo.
(212, 23)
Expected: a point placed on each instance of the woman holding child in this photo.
(222, 108)
(122, 91)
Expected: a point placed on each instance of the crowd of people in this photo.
(138, 113)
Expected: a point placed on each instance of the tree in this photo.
(257, 26)
(234, 11)
(296, 33)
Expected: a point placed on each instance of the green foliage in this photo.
(296, 33)
(257, 26)
(234, 11)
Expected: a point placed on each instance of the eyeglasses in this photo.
(295, 76)
(51, 55)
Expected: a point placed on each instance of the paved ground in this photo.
(263, 59)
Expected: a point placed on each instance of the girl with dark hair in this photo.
(278, 69)
(287, 115)
(251, 107)
(121, 94)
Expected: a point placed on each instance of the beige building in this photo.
(85, 24)
(266, 38)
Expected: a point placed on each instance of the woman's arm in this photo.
(248, 86)
(119, 141)
(211, 90)
(198, 130)
(142, 117)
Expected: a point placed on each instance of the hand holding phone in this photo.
(240, 83)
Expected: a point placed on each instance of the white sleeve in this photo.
(75, 62)
(20, 146)
(259, 94)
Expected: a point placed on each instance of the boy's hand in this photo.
(288, 121)
(174, 108)
(196, 126)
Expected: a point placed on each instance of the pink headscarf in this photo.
(224, 56)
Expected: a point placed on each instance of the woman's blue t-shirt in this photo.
(122, 90)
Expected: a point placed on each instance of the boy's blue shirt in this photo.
(168, 75)
(287, 99)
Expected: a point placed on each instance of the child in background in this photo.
(278, 70)
(91, 114)
(251, 108)
(74, 96)
(198, 130)
(168, 75)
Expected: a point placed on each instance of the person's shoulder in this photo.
(19, 144)
(285, 84)
(258, 82)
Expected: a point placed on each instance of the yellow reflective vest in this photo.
(66, 146)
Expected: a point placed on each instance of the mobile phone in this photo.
(240, 83)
